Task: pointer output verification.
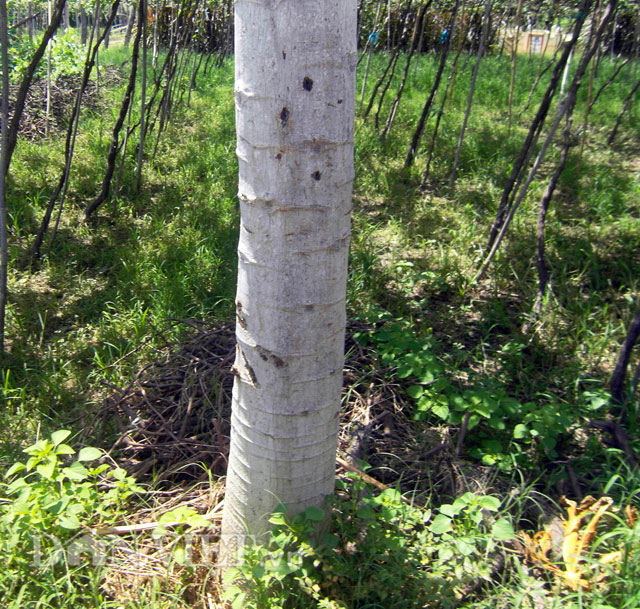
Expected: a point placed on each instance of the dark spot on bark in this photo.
(316, 175)
(251, 374)
(284, 116)
(267, 355)
(307, 83)
(284, 55)
(279, 155)
(340, 101)
(309, 307)
(279, 362)
(242, 322)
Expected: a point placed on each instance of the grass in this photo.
(102, 302)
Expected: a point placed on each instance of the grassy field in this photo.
(107, 298)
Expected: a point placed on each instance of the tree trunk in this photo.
(23, 89)
(143, 96)
(541, 264)
(524, 156)
(472, 88)
(514, 57)
(72, 129)
(84, 32)
(414, 44)
(30, 23)
(4, 148)
(625, 107)
(565, 108)
(115, 136)
(295, 98)
(129, 30)
(417, 134)
(616, 385)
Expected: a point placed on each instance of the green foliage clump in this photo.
(507, 433)
(382, 552)
(67, 57)
(46, 513)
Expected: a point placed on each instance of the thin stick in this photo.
(214, 514)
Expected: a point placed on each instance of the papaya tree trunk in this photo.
(295, 99)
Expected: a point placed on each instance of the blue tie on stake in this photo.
(373, 38)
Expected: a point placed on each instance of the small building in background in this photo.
(535, 41)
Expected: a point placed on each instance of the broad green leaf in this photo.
(16, 467)
(119, 474)
(314, 514)
(366, 512)
(441, 524)
(58, 506)
(330, 541)
(441, 410)
(441, 384)
(64, 449)
(548, 442)
(239, 601)
(16, 485)
(198, 521)
(474, 421)
(180, 556)
(283, 568)
(76, 471)
(415, 391)
(428, 376)
(89, 453)
(448, 510)
(465, 547)
(391, 494)
(502, 529)
(404, 372)
(490, 503)
(70, 522)
(489, 459)
(46, 469)
(57, 437)
(520, 431)
(39, 448)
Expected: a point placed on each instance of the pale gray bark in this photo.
(295, 96)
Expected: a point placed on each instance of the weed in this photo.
(381, 551)
(48, 503)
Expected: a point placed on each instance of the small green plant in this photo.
(383, 552)
(48, 506)
(507, 432)
(67, 57)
